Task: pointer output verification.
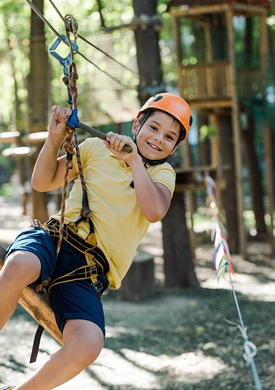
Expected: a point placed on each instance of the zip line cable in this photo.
(36, 10)
(72, 27)
(91, 44)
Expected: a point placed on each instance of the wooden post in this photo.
(38, 306)
(216, 159)
(179, 53)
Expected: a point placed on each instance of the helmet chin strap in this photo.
(147, 161)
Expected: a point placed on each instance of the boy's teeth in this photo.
(153, 146)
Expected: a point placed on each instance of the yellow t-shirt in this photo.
(118, 221)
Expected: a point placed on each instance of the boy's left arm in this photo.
(153, 198)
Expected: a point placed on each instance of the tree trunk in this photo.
(18, 126)
(204, 146)
(178, 261)
(148, 52)
(255, 180)
(38, 92)
(178, 271)
(229, 194)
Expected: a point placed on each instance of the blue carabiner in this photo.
(65, 62)
(73, 121)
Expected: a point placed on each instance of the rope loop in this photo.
(73, 77)
(65, 80)
(68, 145)
(71, 25)
(86, 214)
(250, 350)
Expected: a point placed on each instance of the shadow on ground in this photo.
(179, 339)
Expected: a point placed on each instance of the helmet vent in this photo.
(157, 98)
(190, 121)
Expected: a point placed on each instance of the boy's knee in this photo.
(89, 352)
(22, 266)
(83, 342)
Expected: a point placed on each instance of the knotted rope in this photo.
(69, 149)
(71, 139)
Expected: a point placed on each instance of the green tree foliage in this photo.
(14, 62)
(14, 48)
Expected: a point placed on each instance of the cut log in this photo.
(38, 306)
(139, 282)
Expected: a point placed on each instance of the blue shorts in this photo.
(71, 300)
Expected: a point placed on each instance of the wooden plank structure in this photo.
(214, 84)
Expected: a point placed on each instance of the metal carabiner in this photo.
(65, 62)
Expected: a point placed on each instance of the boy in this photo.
(126, 191)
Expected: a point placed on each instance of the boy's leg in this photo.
(83, 341)
(20, 269)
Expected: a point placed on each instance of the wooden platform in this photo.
(192, 178)
(38, 306)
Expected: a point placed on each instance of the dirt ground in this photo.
(178, 339)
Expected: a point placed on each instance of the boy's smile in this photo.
(153, 146)
(158, 136)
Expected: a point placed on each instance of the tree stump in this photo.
(139, 282)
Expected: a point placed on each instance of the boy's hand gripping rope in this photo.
(223, 262)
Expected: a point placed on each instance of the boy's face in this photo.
(158, 136)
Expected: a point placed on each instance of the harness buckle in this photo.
(101, 285)
(98, 286)
(35, 223)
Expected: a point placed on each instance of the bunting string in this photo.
(223, 262)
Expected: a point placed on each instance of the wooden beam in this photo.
(249, 9)
(202, 168)
(9, 136)
(191, 187)
(35, 138)
(235, 8)
(200, 10)
(38, 306)
(210, 104)
(19, 151)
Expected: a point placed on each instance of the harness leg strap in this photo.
(36, 343)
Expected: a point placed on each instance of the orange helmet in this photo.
(173, 105)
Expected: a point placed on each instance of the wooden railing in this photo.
(202, 82)
(205, 81)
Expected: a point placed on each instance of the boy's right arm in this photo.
(48, 172)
